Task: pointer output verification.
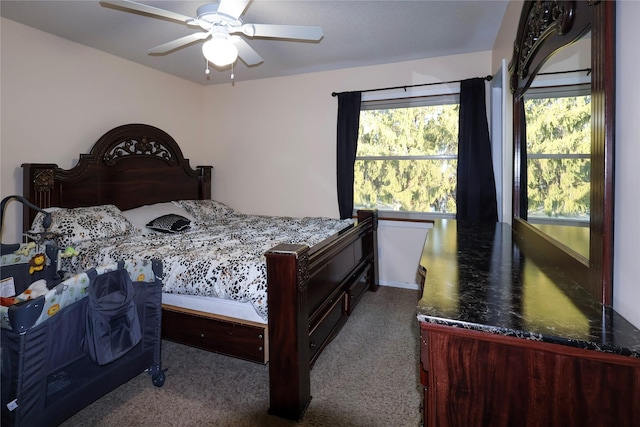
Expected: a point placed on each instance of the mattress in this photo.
(217, 306)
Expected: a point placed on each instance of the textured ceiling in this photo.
(356, 33)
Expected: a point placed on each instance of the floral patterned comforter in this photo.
(223, 259)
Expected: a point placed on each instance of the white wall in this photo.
(626, 273)
(58, 98)
(503, 46)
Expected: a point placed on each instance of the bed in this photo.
(311, 289)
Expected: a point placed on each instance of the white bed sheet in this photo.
(212, 305)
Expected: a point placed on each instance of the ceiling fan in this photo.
(221, 26)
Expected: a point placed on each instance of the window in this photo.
(558, 154)
(406, 160)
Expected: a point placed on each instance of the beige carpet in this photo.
(367, 377)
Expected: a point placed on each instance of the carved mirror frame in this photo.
(544, 28)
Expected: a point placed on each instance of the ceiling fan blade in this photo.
(178, 43)
(284, 31)
(149, 10)
(232, 8)
(246, 52)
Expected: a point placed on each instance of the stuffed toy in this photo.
(25, 248)
(37, 263)
(69, 253)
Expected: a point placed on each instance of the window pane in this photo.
(412, 131)
(559, 188)
(559, 180)
(559, 125)
(401, 184)
(406, 185)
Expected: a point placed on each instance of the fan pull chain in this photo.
(206, 71)
(232, 75)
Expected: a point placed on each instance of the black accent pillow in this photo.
(170, 223)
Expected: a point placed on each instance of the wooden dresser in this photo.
(507, 341)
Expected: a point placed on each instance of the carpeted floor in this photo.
(367, 377)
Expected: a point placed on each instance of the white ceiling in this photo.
(356, 32)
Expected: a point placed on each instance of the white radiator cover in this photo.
(400, 246)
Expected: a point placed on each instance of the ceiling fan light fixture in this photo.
(220, 51)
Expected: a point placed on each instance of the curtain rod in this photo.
(487, 78)
(587, 70)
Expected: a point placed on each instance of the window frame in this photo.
(445, 94)
(552, 86)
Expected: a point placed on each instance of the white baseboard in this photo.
(413, 286)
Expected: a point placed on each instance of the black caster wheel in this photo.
(158, 379)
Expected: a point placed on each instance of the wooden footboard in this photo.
(310, 295)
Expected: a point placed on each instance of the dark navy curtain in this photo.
(524, 182)
(347, 141)
(476, 193)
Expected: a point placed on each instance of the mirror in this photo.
(555, 40)
(557, 120)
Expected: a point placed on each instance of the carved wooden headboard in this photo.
(129, 166)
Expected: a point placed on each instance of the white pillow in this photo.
(143, 215)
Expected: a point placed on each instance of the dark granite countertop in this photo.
(477, 278)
